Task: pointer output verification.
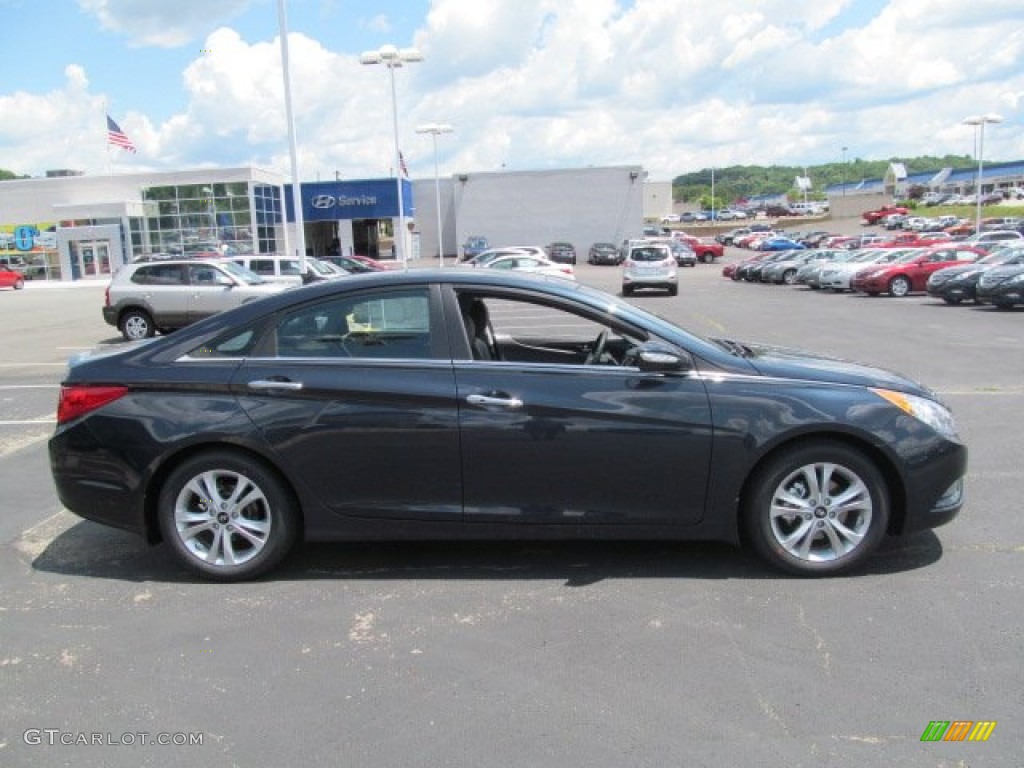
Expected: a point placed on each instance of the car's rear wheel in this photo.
(707, 257)
(817, 509)
(673, 290)
(19, 284)
(899, 286)
(137, 324)
(789, 276)
(227, 516)
(951, 300)
(627, 290)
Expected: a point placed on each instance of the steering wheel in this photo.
(597, 348)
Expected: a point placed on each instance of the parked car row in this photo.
(954, 272)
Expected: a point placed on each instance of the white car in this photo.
(650, 265)
(837, 276)
(533, 265)
(672, 218)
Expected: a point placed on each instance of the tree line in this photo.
(744, 181)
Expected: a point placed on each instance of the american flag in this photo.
(401, 161)
(117, 137)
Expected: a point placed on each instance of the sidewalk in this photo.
(92, 282)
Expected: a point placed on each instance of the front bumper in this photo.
(1002, 294)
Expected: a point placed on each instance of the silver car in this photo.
(650, 265)
(836, 276)
(149, 296)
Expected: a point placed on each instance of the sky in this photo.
(673, 85)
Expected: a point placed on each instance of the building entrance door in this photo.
(366, 238)
(91, 258)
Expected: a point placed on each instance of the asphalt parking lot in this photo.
(596, 654)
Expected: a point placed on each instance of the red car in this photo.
(875, 216)
(11, 279)
(915, 240)
(910, 273)
(707, 250)
(376, 265)
(729, 270)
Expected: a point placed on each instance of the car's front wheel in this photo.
(899, 286)
(19, 284)
(227, 516)
(817, 509)
(137, 324)
(707, 258)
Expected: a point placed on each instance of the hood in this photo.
(1001, 273)
(787, 363)
(959, 269)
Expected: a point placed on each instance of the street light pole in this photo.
(979, 122)
(842, 171)
(300, 224)
(393, 58)
(435, 129)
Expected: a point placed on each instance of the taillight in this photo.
(567, 269)
(77, 401)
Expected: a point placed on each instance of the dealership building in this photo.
(69, 227)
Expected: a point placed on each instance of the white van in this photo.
(282, 269)
(815, 208)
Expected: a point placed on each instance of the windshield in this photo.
(651, 253)
(243, 275)
(1004, 256)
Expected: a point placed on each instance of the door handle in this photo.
(501, 402)
(269, 385)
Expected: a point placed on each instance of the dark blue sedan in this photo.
(469, 404)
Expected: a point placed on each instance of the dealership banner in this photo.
(334, 200)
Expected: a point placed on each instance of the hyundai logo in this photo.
(323, 201)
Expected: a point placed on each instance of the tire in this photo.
(951, 300)
(845, 524)
(137, 324)
(789, 276)
(707, 257)
(673, 290)
(899, 286)
(627, 290)
(19, 284)
(206, 528)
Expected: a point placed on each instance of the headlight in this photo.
(934, 414)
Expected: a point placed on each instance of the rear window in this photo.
(159, 274)
(649, 254)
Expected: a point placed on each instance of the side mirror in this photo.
(653, 357)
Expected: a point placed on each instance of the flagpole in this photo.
(106, 134)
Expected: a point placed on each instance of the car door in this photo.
(162, 288)
(212, 291)
(549, 438)
(355, 394)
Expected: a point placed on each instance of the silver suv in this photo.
(149, 296)
(649, 265)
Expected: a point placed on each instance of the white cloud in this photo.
(165, 23)
(550, 83)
